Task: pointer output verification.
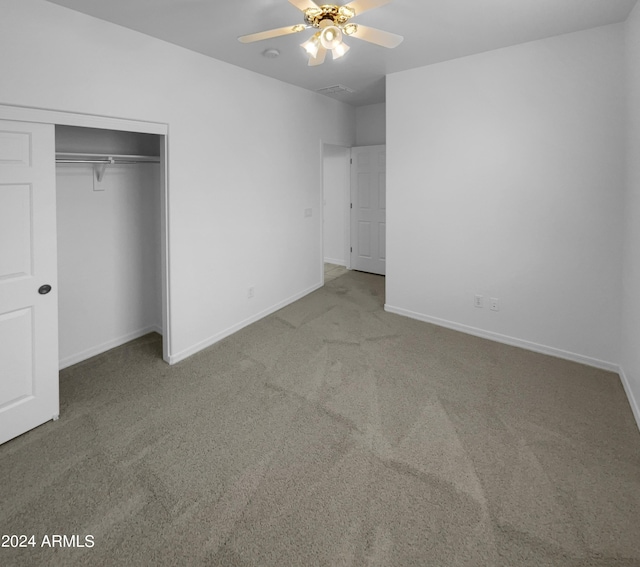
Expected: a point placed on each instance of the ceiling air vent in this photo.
(335, 89)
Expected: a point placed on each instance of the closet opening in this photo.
(109, 197)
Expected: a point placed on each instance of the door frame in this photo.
(56, 117)
(346, 206)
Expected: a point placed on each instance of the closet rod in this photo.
(106, 161)
(101, 161)
(109, 159)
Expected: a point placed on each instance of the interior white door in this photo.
(28, 311)
(368, 209)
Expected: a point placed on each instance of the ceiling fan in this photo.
(333, 23)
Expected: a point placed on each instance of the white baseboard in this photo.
(633, 402)
(505, 339)
(174, 358)
(334, 261)
(108, 345)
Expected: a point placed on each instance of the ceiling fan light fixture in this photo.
(339, 50)
(319, 58)
(331, 37)
(333, 24)
(312, 45)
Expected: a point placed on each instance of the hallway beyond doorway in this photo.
(333, 271)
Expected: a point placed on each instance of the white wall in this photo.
(241, 170)
(630, 355)
(505, 176)
(371, 125)
(336, 187)
(108, 245)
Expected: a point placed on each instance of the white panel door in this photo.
(28, 311)
(368, 209)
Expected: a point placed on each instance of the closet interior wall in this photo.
(109, 243)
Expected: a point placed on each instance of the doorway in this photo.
(108, 239)
(354, 208)
(335, 200)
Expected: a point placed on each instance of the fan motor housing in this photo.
(339, 15)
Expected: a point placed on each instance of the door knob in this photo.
(44, 289)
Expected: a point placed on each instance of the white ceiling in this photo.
(433, 30)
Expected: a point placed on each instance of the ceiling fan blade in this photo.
(379, 37)
(319, 58)
(271, 33)
(360, 6)
(303, 5)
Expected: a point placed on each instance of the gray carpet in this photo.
(331, 433)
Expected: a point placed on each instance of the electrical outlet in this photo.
(251, 292)
(495, 304)
(478, 301)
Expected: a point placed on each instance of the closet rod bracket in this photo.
(100, 168)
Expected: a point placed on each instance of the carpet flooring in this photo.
(330, 433)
